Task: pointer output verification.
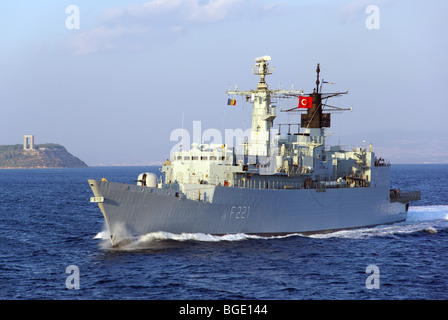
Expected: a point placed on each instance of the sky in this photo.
(114, 82)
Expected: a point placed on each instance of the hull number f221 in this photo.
(239, 212)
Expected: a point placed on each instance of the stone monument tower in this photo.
(28, 142)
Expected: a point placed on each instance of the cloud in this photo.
(162, 21)
(185, 10)
(91, 41)
(216, 10)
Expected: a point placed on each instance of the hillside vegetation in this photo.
(49, 155)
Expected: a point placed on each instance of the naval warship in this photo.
(274, 184)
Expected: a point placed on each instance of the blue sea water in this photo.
(48, 225)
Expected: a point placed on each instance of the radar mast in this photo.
(264, 113)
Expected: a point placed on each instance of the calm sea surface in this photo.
(49, 231)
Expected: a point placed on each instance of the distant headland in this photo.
(30, 156)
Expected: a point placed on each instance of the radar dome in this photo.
(147, 179)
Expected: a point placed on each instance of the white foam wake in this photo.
(195, 237)
(425, 213)
(160, 239)
(102, 235)
(420, 218)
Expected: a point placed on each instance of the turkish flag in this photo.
(305, 102)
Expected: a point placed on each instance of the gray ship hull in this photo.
(131, 210)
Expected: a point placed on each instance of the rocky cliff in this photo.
(48, 155)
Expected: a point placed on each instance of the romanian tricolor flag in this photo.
(231, 102)
(328, 82)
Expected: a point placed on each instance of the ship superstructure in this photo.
(274, 160)
(277, 183)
